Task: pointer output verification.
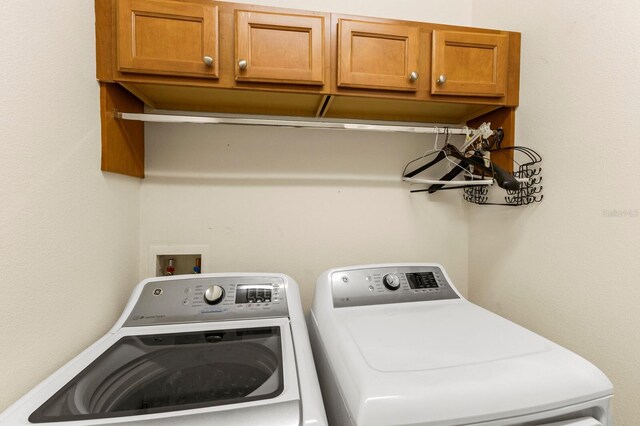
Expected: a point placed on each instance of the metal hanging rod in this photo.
(276, 121)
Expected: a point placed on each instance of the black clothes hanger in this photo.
(466, 160)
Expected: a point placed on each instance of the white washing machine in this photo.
(228, 349)
(396, 344)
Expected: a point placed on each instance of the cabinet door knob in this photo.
(414, 76)
(242, 64)
(208, 60)
(442, 79)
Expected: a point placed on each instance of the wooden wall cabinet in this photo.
(214, 56)
(469, 64)
(167, 37)
(377, 55)
(279, 47)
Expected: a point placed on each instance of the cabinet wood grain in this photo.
(279, 47)
(377, 55)
(167, 37)
(225, 57)
(122, 141)
(469, 64)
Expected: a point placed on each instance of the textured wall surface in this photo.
(68, 232)
(294, 201)
(454, 12)
(568, 268)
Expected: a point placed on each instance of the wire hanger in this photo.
(470, 162)
(440, 155)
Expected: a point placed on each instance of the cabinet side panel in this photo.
(504, 117)
(513, 83)
(104, 40)
(122, 141)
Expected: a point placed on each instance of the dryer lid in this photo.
(433, 335)
(155, 373)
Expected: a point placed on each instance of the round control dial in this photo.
(391, 281)
(214, 295)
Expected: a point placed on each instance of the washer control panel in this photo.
(209, 299)
(376, 286)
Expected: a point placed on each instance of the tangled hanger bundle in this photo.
(473, 162)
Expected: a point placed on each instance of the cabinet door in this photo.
(279, 48)
(168, 37)
(377, 56)
(469, 64)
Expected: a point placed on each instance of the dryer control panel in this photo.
(209, 299)
(375, 286)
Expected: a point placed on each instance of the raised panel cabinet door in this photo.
(469, 64)
(168, 37)
(377, 56)
(279, 48)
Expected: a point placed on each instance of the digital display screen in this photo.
(253, 293)
(422, 280)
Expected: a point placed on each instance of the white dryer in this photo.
(396, 344)
(226, 349)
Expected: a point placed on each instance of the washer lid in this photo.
(156, 373)
(448, 363)
(429, 336)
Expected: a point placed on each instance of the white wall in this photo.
(565, 268)
(454, 12)
(68, 233)
(312, 199)
(294, 201)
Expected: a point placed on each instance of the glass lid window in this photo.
(169, 372)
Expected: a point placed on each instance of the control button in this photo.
(185, 301)
(370, 288)
(368, 278)
(157, 292)
(391, 281)
(214, 295)
(345, 279)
